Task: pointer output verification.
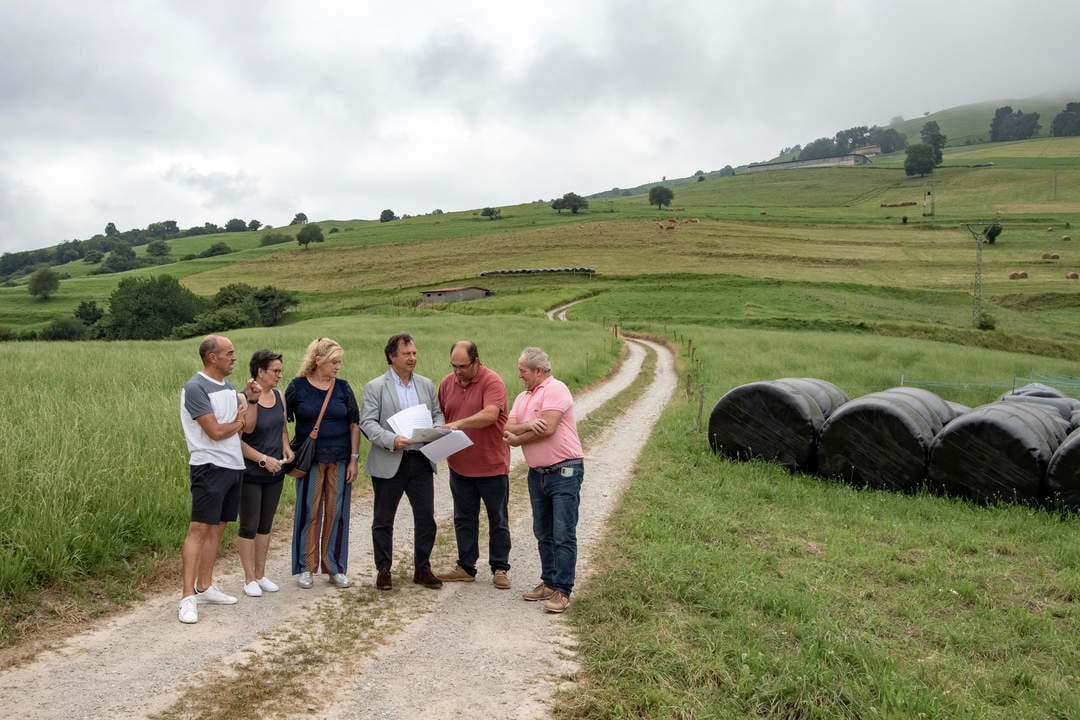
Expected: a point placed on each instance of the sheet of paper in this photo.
(426, 435)
(446, 445)
(409, 420)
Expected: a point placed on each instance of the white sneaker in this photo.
(340, 580)
(189, 610)
(267, 584)
(305, 580)
(252, 589)
(213, 596)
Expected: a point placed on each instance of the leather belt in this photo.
(547, 469)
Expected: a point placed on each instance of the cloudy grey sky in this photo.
(138, 111)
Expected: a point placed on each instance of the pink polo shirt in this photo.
(563, 444)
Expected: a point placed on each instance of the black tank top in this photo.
(266, 438)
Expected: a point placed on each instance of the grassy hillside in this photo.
(730, 590)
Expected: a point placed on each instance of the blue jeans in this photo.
(468, 492)
(555, 497)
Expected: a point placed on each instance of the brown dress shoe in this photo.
(383, 581)
(427, 579)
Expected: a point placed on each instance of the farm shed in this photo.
(454, 294)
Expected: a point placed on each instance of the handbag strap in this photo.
(326, 401)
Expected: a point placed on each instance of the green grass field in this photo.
(730, 590)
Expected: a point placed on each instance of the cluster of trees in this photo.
(154, 308)
(1010, 125)
(846, 141)
(921, 159)
(116, 247)
(1067, 122)
(570, 201)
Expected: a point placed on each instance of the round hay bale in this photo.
(1065, 238)
(1046, 256)
(1072, 276)
(1063, 474)
(777, 421)
(1034, 390)
(1022, 274)
(827, 396)
(998, 451)
(883, 439)
(1014, 276)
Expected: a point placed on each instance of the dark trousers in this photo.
(494, 491)
(415, 480)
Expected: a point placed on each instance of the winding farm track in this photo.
(468, 647)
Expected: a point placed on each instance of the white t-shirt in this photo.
(202, 395)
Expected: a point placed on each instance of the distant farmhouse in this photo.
(445, 295)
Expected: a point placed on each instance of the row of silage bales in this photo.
(882, 440)
(776, 420)
(1017, 448)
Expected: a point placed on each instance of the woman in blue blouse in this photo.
(324, 494)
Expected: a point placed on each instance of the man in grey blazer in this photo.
(397, 466)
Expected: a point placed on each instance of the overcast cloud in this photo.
(141, 111)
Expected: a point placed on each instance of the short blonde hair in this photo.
(320, 350)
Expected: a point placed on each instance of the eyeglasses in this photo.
(462, 367)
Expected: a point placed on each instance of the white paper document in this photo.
(409, 420)
(445, 446)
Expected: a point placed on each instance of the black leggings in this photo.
(258, 503)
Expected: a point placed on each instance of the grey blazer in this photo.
(380, 402)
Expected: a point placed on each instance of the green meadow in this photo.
(727, 590)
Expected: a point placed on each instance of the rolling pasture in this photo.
(731, 590)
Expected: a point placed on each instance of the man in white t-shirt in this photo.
(212, 414)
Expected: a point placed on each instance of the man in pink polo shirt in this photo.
(473, 400)
(542, 423)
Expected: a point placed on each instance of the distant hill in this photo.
(962, 125)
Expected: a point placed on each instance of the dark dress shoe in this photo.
(427, 579)
(383, 581)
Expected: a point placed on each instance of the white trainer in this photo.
(267, 584)
(252, 589)
(213, 596)
(305, 580)
(340, 580)
(189, 610)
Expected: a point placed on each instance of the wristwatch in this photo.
(262, 463)
(250, 401)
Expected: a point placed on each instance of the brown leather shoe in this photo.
(540, 592)
(383, 581)
(500, 579)
(427, 579)
(458, 574)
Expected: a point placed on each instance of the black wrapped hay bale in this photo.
(883, 439)
(1067, 407)
(998, 451)
(776, 420)
(1063, 474)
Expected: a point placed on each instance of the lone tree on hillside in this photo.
(309, 234)
(930, 129)
(661, 196)
(491, 213)
(570, 201)
(387, 215)
(919, 160)
(43, 282)
(299, 219)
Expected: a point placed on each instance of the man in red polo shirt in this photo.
(473, 400)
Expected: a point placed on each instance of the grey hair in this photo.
(536, 359)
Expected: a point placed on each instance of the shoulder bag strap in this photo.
(326, 401)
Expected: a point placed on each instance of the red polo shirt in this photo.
(489, 454)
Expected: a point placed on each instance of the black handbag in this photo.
(304, 450)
